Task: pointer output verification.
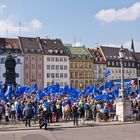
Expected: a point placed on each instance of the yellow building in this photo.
(81, 66)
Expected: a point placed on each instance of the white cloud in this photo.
(126, 44)
(35, 24)
(124, 14)
(2, 7)
(12, 28)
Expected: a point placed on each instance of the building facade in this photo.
(99, 66)
(33, 61)
(81, 66)
(111, 55)
(56, 62)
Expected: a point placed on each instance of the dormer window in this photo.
(56, 51)
(38, 50)
(96, 59)
(50, 51)
(61, 51)
(32, 50)
(26, 49)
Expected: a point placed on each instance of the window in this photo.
(81, 75)
(33, 76)
(129, 64)
(48, 67)
(52, 67)
(57, 75)
(57, 59)
(80, 65)
(76, 65)
(65, 75)
(71, 75)
(117, 64)
(52, 75)
(26, 66)
(132, 64)
(39, 58)
(26, 76)
(48, 75)
(90, 65)
(76, 74)
(86, 75)
(52, 58)
(61, 67)
(48, 58)
(39, 76)
(61, 75)
(125, 64)
(61, 51)
(33, 66)
(112, 71)
(33, 58)
(65, 67)
(71, 65)
(50, 51)
(39, 66)
(56, 51)
(57, 67)
(108, 63)
(65, 59)
(61, 59)
(90, 75)
(26, 58)
(119, 71)
(112, 63)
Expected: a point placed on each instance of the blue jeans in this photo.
(75, 118)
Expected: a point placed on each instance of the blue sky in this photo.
(91, 22)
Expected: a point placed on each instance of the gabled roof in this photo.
(97, 56)
(112, 53)
(30, 45)
(53, 46)
(9, 45)
(78, 52)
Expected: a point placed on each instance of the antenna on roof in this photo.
(19, 24)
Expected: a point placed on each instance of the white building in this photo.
(56, 62)
(111, 55)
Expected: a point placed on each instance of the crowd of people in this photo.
(27, 108)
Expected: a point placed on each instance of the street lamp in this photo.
(122, 56)
(122, 106)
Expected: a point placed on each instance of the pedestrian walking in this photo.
(75, 114)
